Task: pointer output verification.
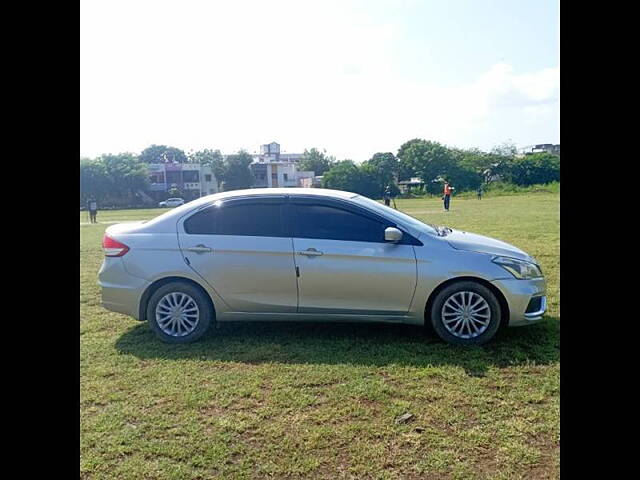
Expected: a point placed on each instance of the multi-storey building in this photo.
(273, 169)
(270, 152)
(192, 179)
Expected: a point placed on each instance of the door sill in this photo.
(311, 317)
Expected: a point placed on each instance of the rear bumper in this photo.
(526, 299)
(121, 292)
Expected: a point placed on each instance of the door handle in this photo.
(310, 252)
(200, 249)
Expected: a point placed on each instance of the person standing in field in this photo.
(480, 192)
(387, 196)
(446, 197)
(92, 206)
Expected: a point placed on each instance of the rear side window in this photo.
(202, 222)
(333, 223)
(256, 219)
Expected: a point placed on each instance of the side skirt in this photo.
(315, 317)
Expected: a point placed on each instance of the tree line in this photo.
(118, 179)
(433, 163)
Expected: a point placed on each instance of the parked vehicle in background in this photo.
(313, 254)
(171, 202)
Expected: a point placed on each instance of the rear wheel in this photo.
(466, 313)
(179, 312)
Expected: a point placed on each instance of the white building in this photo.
(270, 152)
(272, 169)
(542, 147)
(192, 179)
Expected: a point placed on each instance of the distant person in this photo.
(446, 197)
(92, 206)
(387, 196)
(479, 192)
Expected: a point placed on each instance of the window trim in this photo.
(287, 213)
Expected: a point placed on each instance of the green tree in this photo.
(372, 183)
(94, 181)
(505, 149)
(535, 168)
(473, 159)
(430, 161)
(162, 154)
(347, 176)
(405, 168)
(209, 157)
(382, 168)
(316, 161)
(343, 175)
(462, 178)
(127, 175)
(237, 174)
(466, 172)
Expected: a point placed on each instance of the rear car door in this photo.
(344, 264)
(242, 249)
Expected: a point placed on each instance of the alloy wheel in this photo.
(466, 314)
(177, 314)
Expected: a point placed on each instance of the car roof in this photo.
(257, 192)
(324, 192)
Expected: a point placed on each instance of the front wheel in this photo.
(466, 313)
(178, 312)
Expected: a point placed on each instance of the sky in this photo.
(352, 77)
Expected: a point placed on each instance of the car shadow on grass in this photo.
(354, 344)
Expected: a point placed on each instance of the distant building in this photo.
(272, 169)
(274, 174)
(413, 182)
(270, 152)
(542, 147)
(192, 179)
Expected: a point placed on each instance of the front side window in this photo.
(334, 223)
(256, 219)
(393, 213)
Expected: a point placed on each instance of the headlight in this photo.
(518, 268)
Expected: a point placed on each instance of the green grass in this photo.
(319, 400)
(107, 216)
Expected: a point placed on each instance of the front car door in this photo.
(241, 248)
(344, 264)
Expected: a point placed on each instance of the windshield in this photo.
(395, 214)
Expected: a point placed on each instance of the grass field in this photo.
(319, 400)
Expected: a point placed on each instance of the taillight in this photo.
(113, 248)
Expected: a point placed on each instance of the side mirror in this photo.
(392, 234)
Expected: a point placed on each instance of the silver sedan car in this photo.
(313, 255)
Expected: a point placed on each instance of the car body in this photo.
(171, 202)
(314, 255)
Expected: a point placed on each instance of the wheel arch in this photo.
(144, 300)
(502, 301)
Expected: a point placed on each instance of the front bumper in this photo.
(121, 291)
(526, 299)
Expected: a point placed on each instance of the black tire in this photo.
(465, 286)
(205, 311)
